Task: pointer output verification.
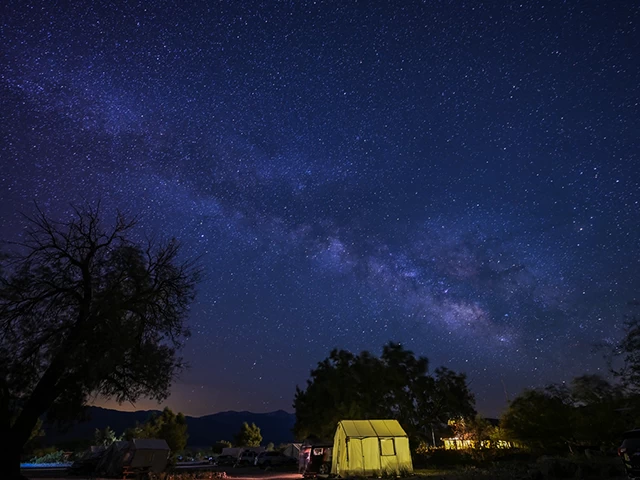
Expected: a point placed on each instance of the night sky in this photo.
(462, 177)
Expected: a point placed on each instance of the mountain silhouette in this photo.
(203, 431)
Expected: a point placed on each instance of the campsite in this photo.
(360, 449)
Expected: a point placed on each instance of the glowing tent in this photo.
(370, 447)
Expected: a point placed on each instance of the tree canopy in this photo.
(219, 445)
(104, 437)
(166, 425)
(589, 412)
(248, 436)
(396, 385)
(625, 356)
(85, 310)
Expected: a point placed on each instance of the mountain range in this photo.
(203, 431)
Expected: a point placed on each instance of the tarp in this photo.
(114, 457)
(152, 453)
(148, 453)
(233, 451)
(292, 450)
(370, 448)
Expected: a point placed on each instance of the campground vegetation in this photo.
(589, 412)
(167, 426)
(249, 436)
(585, 416)
(395, 385)
(86, 310)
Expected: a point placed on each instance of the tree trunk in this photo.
(10, 461)
(10, 451)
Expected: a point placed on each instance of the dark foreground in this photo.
(508, 471)
(246, 473)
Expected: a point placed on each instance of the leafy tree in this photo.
(598, 410)
(540, 419)
(104, 437)
(585, 413)
(476, 429)
(248, 436)
(270, 447)
(626, 356)
(166, 425)
(219, 445)
(396, 385)
(85, 310)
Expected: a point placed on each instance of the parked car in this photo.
(274, 459)
(225, 461)
(248, 457)
(630, 453)
(316, 459)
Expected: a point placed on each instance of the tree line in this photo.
(88, 309)
(591, 411)
(172, 428)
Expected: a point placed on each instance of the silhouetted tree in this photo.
(602, 410)
(219, 445)
(166, 425)
(104, 437)
(541, 419)
(625, 356)
(588, 412)
(85, 310)
(248, 436)
(397, 385)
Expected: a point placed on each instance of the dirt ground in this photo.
(250, 473)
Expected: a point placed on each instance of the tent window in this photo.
(387, 447)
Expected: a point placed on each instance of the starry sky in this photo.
(460, 176)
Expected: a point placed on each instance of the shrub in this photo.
(57, 456)
(445, 458)
(219, 445)
(578, 467)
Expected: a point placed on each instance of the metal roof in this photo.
(372, 428)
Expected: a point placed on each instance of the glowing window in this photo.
(387, 446)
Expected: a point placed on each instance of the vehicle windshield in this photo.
(631, 443)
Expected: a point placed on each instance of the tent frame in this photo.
(370, 448)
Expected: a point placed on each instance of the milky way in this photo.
(461, 177)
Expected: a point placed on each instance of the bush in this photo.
(444, 458)
(219, 445)
(577, 467)
(41, 452)
(57, 456)
(556, 467)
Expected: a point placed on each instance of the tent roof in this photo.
(150, 444)
(372, 428)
